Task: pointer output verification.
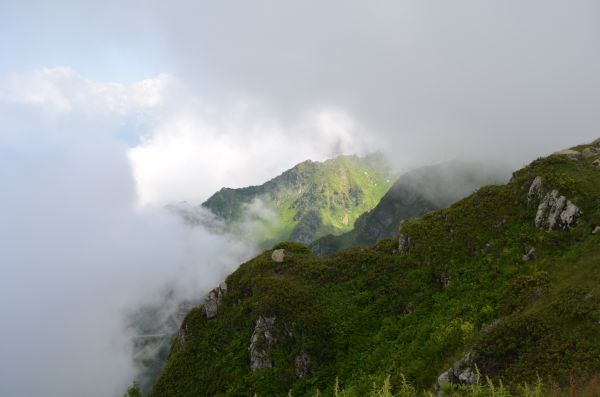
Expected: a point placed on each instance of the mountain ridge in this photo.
(309, 200)
(413, 194)
(479, 283)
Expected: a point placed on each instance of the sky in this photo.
(110, 110)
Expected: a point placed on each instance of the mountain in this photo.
(412, 195)
(504, 282)
(306, 202)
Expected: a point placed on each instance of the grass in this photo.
(367, 312)
(338, 191)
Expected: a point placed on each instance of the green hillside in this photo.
(504, 281)
(306, 202)
(412, 195)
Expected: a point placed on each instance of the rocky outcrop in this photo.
(182, 334)
(408, 308)
(404, 244)
(535, 190)
(572, 154)
(590, 152)
(213, 300)
(530, 255)
(303, 366)
(596, 163)
(261, 340)
(556, 213)
(461, 373)
(278, 255)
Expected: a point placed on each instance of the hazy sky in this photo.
(282, 80)
(110, 109)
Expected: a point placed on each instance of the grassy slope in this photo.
(415, 193)
(352, 312)
(308, 201)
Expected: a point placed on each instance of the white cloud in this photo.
(192, 154)
(62, 90)
(190, 146)
(76, 251)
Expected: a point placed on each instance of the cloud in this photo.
(83, 235)
(77, 250)
(63, 90)
(424, 81)
(192, 154)
(432, 80)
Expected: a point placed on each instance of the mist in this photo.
(79, 254)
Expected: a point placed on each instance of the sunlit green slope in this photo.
(306, 202)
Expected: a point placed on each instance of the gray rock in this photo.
(278, 255)
(596, 230)
(590, 152)
(572, 154)
(535, 190)
(182, 334)
(261, 340)
(556, 213)
(409, 308)
(461, 373)
(404, 244)
(530, 255)
(596, 142)
(303, 366)
(213, 300)
(596, 163)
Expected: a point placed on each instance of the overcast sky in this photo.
(110, 109)
(281, 81)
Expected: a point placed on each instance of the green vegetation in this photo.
(483, 388)
(412, 195)
(461, 286)
(306, 202)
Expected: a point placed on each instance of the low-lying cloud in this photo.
(78, 252)
(87, 168)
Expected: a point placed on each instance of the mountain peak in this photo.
(307, 201)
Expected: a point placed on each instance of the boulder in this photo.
(461, 373)
(572, 154)
(404, 244)
(182, 334)
(213, 300)
(535, 190)
(596, 163)
(278, 255)
(302, 365)
(530, 255)
(556, 213)
(261, 340)
(590, 152)
(409, 308)
(596, 230)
